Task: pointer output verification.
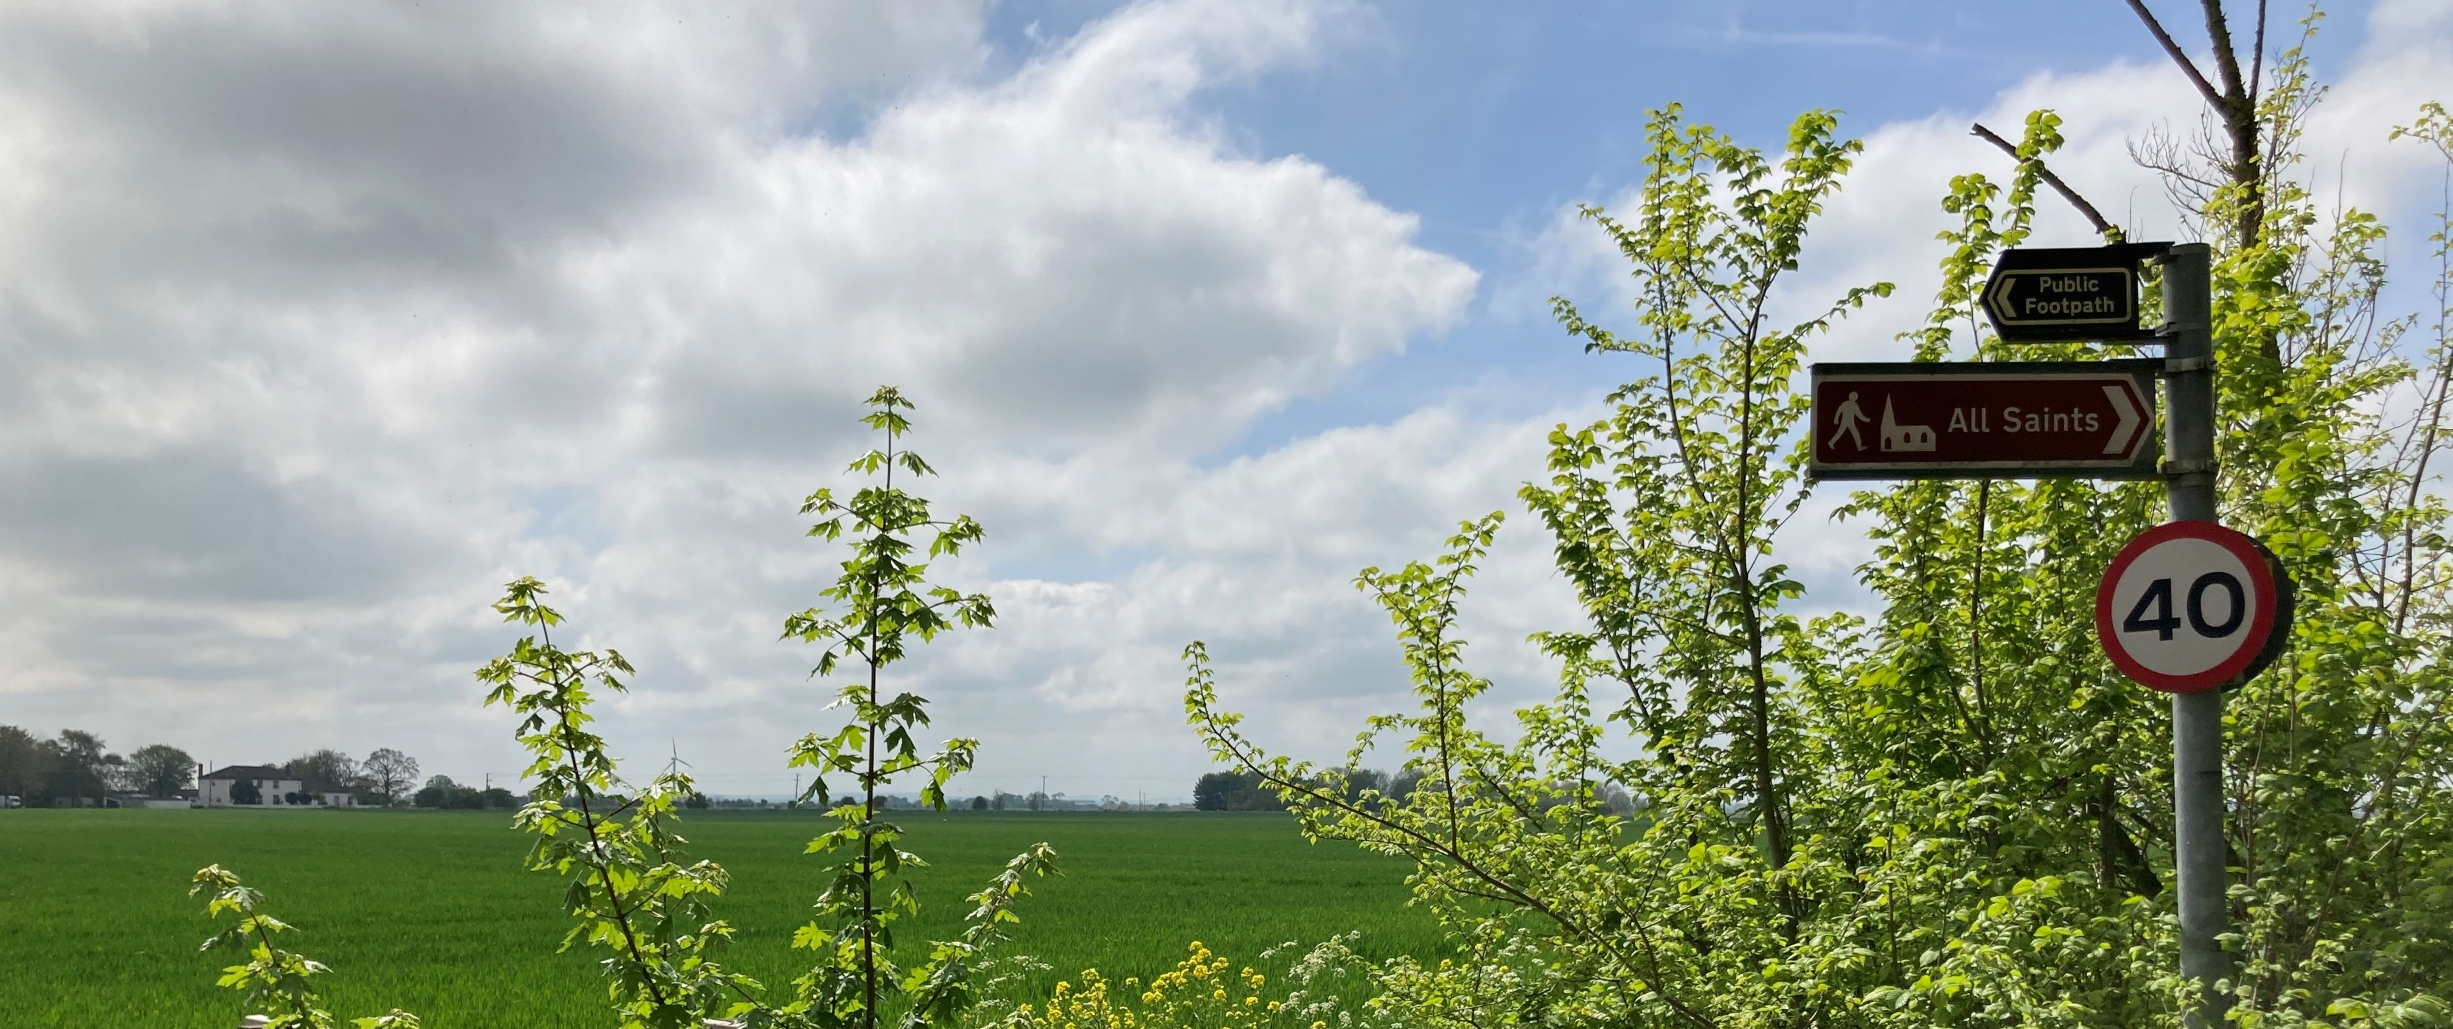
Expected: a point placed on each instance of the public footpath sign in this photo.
(2190, 606)
(2056, 295)
(1993, 420)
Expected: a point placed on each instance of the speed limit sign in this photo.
(2189, 606)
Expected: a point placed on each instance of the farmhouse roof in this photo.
(251, 772)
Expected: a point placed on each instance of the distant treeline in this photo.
(1243, 791)
(75, 769)
(441, 792)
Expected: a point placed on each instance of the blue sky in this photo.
(319, 322)
(1483, 120)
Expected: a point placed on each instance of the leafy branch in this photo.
(882, 602)
(629, 888)
(277, 982)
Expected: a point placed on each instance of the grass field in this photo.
(429, 911)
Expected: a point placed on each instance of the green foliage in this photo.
(277, 982)
(878, 606)
(1201, 993)
(1958, 814)
(22, 764)
(388, 774)
(160, 770)
(441, 792)
(322, 771)
(2336, 782)
(629, 891)
(1664, 515)
(1234, 791)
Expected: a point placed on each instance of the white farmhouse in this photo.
(263, 786)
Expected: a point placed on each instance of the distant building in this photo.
(263, 786)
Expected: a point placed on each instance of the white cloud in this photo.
(321, 327)
(315, 327)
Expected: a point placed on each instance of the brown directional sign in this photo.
(1992, 420)
(2046, 295)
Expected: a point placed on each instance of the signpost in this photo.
(1998, 420)
(2190, 606)
(2089, 293)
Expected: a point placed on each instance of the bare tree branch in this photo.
(2227, 63)
(2257, 59)
(2199, 78)
(2102, 228)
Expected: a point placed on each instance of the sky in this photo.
(320, 322)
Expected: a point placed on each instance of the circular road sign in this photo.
(2190, 606)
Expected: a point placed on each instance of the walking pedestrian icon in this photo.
(1847, 418)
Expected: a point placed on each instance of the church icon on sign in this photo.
(1908, 439)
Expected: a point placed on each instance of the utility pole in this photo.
(2197, 718)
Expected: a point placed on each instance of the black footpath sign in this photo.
(2061, 295)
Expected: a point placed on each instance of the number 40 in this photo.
(2163, 623)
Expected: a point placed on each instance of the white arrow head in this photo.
(2128, 413)
(1998, 298)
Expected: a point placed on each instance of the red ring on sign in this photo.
(2261, 584)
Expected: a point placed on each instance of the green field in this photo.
(429, 911)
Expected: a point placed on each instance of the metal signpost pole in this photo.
(2040, 420)
(2197, 718)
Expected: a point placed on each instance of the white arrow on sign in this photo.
(2129, 420)
(2000, 301)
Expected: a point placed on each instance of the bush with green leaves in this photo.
(1957, 814)
(880, 605)
(631, 889)
(277, 982)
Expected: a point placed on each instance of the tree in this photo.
(441, 792)
(326, 771)
(1211, 792)
(245, 791)
(1958, 814)
(979, 803)
(629, 891)
(1402, 784)
(119, 774)
(79, 766)
(880, 604)
(388, 773)
(1663, 513)
(2244, 114)
(161, 770)
(1234, 791)
(277, 982)
(23, 763)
